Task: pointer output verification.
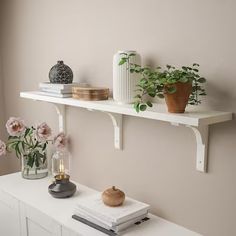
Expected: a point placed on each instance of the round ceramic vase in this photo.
(124, 82)
(61, 74)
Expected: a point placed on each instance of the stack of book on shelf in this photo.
(93, 212)
(57, 90)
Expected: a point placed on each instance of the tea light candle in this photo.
(61, 170)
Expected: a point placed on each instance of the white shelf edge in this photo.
(198, 121)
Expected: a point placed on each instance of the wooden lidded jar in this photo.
(113, 197)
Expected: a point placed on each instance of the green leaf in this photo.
(44, 158)
(201, 80)
(132, 70)
(26, 132)
(143, 81)
(12, 137)
(37, 161)
(132, 54)
(171, 89)
(195, 64)
(149, 103)
(44, 146)
(160, 95)
(23, 146)
(36, 144)
(136, 106)
(142, 107)
(183, 80)
(30, 161)
(152, 94)
(18, 154)
(122, 61)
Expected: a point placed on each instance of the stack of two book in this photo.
(56, 90)
(93, 212)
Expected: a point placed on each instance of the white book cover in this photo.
(94, 206)
(117, 228)
(58, 91)
(55, 95)
(56, 86)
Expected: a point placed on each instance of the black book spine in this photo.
(95, 226)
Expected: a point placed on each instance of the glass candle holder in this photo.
(61, 162)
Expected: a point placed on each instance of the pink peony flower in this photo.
(60, 141)
(2, 148)
(15, 126)
(42, 132)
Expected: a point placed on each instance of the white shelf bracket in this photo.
(117, 123)
(201, 134)
(61, 112)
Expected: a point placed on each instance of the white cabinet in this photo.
(35, 223)
(9, 215)
(27, 209)
(68, 232)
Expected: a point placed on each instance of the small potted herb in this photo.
(179, 86)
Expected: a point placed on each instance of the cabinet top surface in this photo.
(157, 112)
(35, 194)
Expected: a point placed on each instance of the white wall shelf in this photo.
(196, 120)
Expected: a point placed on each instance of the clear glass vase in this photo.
(34, 167)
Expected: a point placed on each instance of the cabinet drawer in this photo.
(9, 215)
(34, 220)
(68, 232)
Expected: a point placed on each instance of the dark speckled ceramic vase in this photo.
(61, 74)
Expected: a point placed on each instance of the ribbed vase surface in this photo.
(124, 82)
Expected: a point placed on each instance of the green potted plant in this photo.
(179, 86)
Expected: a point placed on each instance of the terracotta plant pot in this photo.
(177, 102)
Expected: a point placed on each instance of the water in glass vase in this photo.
(34, 167)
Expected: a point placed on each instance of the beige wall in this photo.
(157, 164)
(4, 163)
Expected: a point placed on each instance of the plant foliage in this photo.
(156, 82)
(26, 145)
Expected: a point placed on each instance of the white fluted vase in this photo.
(124, 82)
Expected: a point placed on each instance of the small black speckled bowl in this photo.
(62, 187)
